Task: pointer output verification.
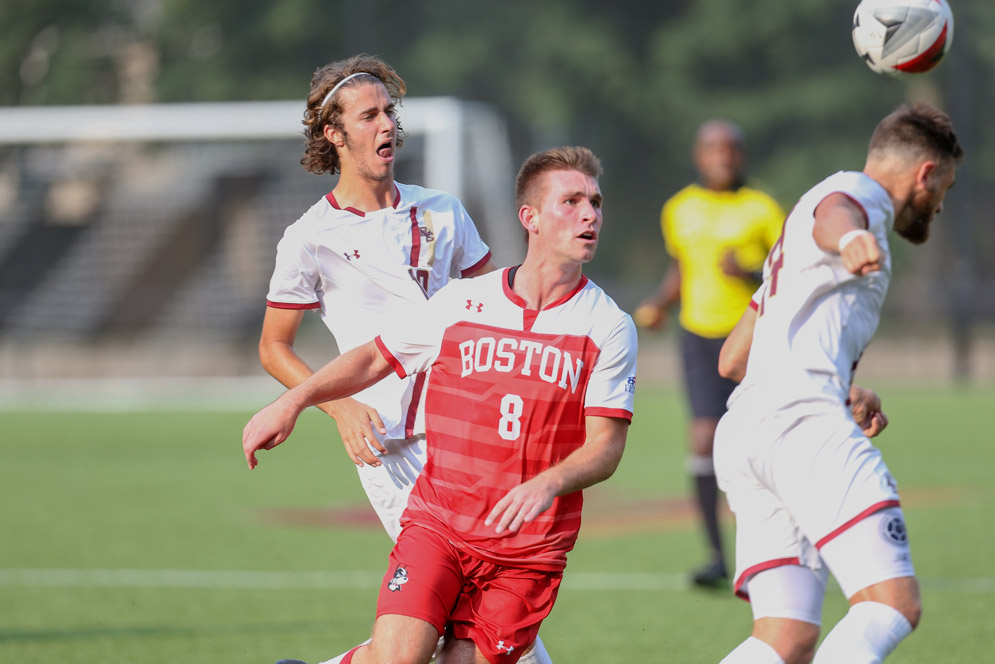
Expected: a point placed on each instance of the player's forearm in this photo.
(281, 361)
(595, 461)
(342, 377)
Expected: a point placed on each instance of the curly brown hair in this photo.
(320, 156)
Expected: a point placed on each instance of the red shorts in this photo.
(499, 608)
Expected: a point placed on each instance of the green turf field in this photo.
(142, 537)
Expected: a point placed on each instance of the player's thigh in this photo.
(501, 609)
(870, 554)
(423, 579)
(399, 638)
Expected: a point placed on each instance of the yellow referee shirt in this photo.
(699, 227)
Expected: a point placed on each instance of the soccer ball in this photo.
(900, 37)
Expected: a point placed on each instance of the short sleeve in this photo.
(413, 345)
(471, 251)
(294, 284)
(611, 390)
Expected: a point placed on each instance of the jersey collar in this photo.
(330, 197)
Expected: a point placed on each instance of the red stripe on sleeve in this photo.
(391, 360)
(293, 305)
(415, 238)
(619, 413)
(476, 266)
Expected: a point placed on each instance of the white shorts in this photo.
(388, 486)
(795, 488)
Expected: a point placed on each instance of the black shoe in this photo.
(712, 575)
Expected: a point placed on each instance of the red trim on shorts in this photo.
(415, 238)
(619, 413)
(476, 266)
(756, 569)
(293, 305)
(347, 658)
(409, 421)
(877, 507)
(391, 360)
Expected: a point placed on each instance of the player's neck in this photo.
(541, 283)
(364, 194)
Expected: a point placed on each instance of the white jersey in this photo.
(815, 318)
(359, 269)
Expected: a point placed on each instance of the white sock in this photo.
(866, 635)
(537, 655)
(337, 660)
(753, 651)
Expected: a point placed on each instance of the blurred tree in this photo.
(631, 79)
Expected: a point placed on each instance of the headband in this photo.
(338, 85)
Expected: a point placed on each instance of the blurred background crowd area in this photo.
(149, 156)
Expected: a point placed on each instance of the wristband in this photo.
(850, 236)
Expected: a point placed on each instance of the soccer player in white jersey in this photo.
(528, 402)
(357, 256)
(810, 492)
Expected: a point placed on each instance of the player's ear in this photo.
(529, 217)
(333, 135)
(925, 171)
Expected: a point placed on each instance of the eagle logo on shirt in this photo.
(400, 578)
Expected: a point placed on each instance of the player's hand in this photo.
(521, 505)
(861, 254)
(650, 316)
(357, 424)
(268, 428)
(866, 408)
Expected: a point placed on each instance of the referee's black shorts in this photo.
(707, 390)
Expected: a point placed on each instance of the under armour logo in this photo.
(470, 305)
(507, 649)
(354, 254)
(426, 233)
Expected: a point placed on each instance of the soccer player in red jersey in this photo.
(528, 402)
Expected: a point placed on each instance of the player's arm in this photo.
(354, 419)
(736, 348)
(866, 408)
(342, 377)
(841, 227)
(593, 462)
(652, 312)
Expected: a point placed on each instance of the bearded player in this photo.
(528, 402)
(810, 492)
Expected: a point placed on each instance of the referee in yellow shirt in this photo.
(718, 233)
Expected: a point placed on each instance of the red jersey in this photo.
(506, 399)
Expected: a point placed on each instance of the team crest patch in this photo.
(400, 578)
(630, 384)
(894, 531)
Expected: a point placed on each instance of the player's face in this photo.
(569, 218)
(369, 132)
(719, 158)
(927, 202)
